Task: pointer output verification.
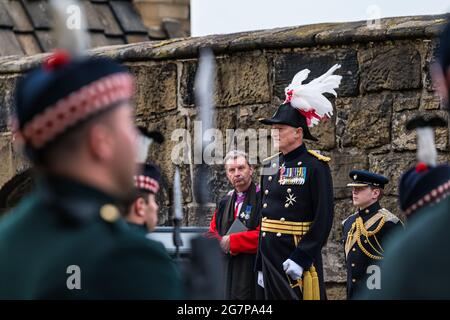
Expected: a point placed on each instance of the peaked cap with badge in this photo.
(365, 233)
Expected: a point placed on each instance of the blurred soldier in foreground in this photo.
(417, 263)
(142, 215)
(236, 224)
(297, 195)
(366, 231)
(67, 240)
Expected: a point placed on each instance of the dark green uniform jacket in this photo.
(417, 260)
(139, 229)
(66, 231)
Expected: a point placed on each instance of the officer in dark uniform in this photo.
(366, 231)
(297, 212)
(142, 214)
(67, 240)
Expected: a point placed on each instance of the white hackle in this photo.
(426, 149)
(70, 26)
(309, 97)
(143, 144)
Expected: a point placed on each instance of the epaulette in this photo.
(345, 220)
(319, 156)
(389, 216)
(271, 157)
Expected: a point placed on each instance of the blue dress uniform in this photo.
(297, 215)
(365, 233)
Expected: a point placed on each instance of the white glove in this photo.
(260, 279)
(292, 269)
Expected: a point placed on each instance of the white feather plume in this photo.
(70, 26)
(309, 97)
(426, 148)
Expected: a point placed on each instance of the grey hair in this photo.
(233, 154)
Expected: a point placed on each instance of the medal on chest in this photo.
(292, 176)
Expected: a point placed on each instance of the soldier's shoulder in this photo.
(388, 216)
(350, 219)
(271, 158)
(317, 155)
(19, 215)
(150, 271)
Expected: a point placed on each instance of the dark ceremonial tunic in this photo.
(303, 194)
(357, 261)
(240, 278)
(66, 223)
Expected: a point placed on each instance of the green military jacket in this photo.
(67, 241)
(417, 260)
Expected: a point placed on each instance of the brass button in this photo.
(274, 165)
(263, 234)
(365, 241)
(286, 205)
(282, 219)
(278, 234)
(289, 190)
(299, 163)
(367, 210)
(264, 218)
(266, 192)
(265, 205)
(109, 213)
(270, 178)
(353, 249)
(353, 265)
(353, 280)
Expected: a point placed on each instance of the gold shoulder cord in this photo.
(361, 230)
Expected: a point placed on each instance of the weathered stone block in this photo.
(187, 82)
(7, 87)
(342, 209)
(156, 88)
(287, 65)
(6, 165)
(325, 131)
(407, 100)
(403, 139)
(166, 155)
(341, 164)
(391, 67)
(430, 101)
(369, 121)
(392, 165)
(334, 262)
(431, 57)
(242, 79)
(199, 216)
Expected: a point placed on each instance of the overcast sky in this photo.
(227, 16)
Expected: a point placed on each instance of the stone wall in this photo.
(386, 81)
